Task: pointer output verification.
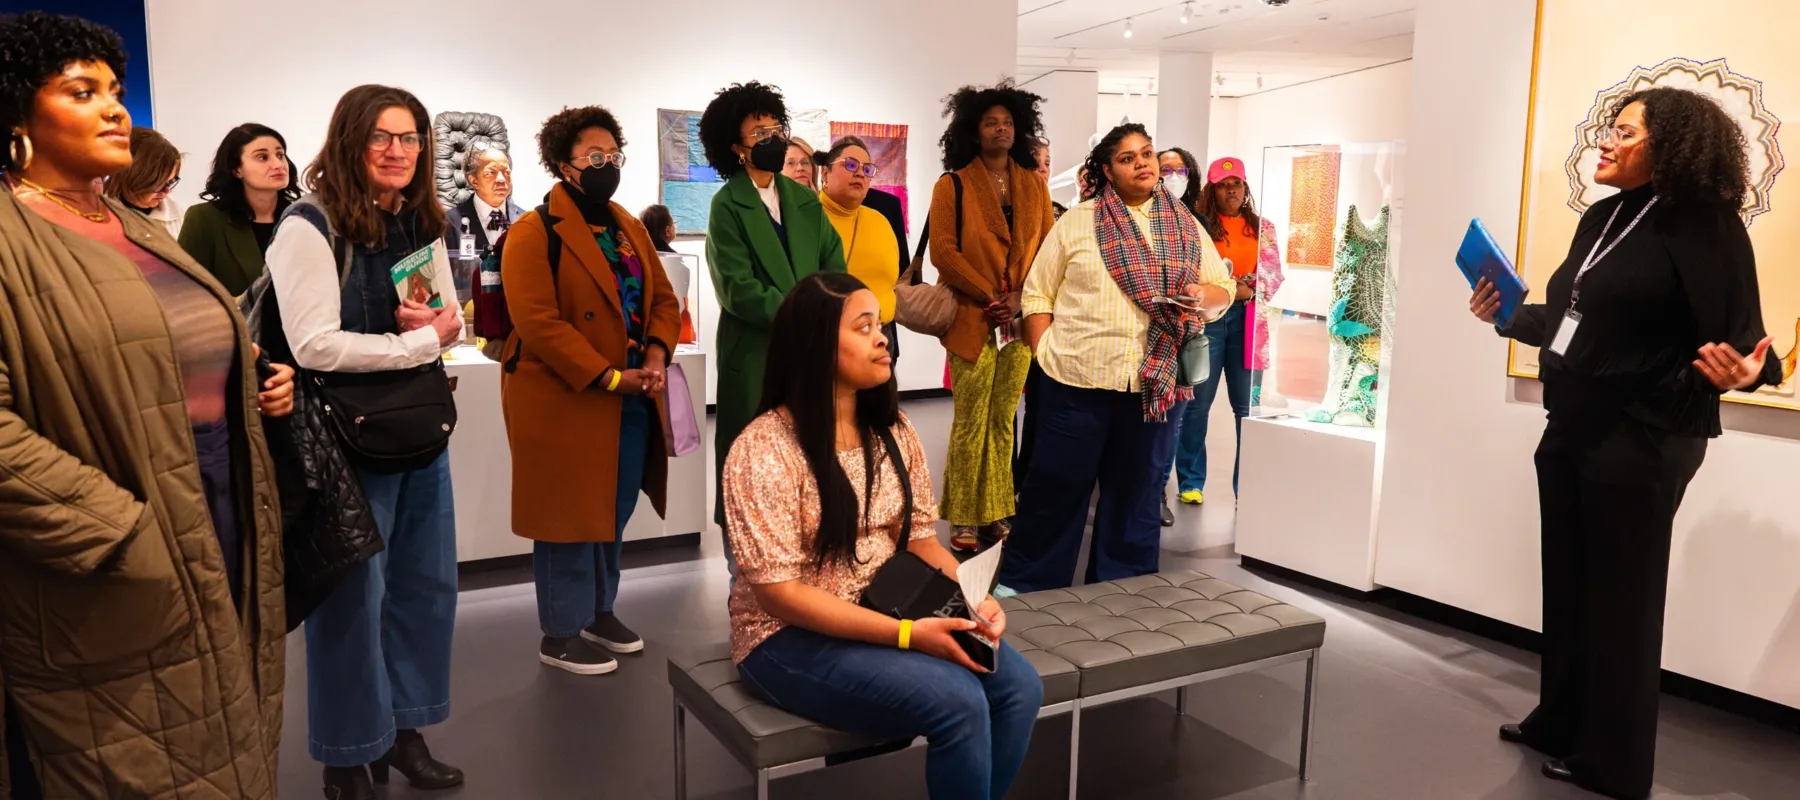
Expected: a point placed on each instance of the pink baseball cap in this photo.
(1227, 167)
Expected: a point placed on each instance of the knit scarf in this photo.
(1144, 271)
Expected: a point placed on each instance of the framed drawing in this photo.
(1731, 54)
(1313, 208)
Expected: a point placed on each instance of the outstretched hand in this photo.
(1727, 370)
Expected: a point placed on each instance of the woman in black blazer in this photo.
(1653, 316)
(250, 185)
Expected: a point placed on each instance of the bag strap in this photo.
(552, 239)
(906, 507)
(918, 259)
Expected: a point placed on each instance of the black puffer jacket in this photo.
(326, 524)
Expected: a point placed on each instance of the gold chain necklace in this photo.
(98, 215)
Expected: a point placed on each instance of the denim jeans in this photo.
(1227, 357)
(378, 648)
(577, 581)
(977, 726)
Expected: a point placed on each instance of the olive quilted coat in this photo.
(130, 670)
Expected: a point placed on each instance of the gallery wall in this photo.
(216, 65)
(1458, 518)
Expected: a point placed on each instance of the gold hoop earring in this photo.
(23, 162)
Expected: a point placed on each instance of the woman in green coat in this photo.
(250, 185)
(766, 232)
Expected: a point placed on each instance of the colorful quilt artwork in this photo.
(887, 148)
(1312, 209)
(687, 182)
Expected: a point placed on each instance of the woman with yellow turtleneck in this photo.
(871, 252)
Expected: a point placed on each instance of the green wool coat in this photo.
(226, 247)
(751, 273)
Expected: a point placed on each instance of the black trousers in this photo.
(1027, 435)
(1608, 495)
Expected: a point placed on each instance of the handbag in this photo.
(684, 430)
(1193, 364)
(925, 307)
(906, 587)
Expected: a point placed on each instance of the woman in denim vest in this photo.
(377, 649)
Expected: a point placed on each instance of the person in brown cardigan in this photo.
(581, 387)
(989, 148)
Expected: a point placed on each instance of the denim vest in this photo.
(367, 296)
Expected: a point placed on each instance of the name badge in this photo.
(1565, 332)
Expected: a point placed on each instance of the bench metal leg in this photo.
(1181, 701)
(1306, 718)
(762, 784)
(680, 751)
(1075, 750)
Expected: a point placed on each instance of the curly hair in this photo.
(1190, 199)
(226, 190)
(1094, 175)
(961, 141)
(556, 140)
(721, 125)
(1698, 152)
(35, 47)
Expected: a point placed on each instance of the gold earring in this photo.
(23, 162)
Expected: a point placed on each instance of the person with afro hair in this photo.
(989, 213)
(140, 535)
(766, 232)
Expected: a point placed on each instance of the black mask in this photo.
(599, 183)
(769, 155)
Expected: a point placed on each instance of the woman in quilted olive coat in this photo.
(141, 607)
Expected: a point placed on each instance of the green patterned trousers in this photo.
(978, 486)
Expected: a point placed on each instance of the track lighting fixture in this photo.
(1127, 27)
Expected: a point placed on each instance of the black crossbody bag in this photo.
(907, 587)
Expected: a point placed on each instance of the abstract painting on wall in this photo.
(1312, 209)
(686, 181)
(887, 148)
(1579, 80)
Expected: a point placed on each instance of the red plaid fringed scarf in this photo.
(1168, 262)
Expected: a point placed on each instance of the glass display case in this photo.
(1318, 339)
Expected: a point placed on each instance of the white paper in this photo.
(977, 574)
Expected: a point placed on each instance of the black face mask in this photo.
(599, 183)
(769, 155)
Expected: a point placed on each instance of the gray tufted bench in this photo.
(1091, 645)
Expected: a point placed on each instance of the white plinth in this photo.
(481, 465)
(1307, 499)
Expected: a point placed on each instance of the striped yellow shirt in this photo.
(1097, 338)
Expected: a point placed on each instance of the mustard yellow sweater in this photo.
(870, 251)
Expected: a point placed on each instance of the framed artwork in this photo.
(1726, 54)
(686, 182)
(887, 148)
(1312, 209)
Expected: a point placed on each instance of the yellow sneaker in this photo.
(1193, 497)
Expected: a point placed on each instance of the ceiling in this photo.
(1256, 47)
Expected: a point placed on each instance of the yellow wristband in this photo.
(615, 380)
(906, 634)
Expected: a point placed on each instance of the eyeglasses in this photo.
(409, 142)
(170, 186)
(1172, 171)
(764, 133)
(855, 166)
(600, 159)
(1615, 135)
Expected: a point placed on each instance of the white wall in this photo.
(1458, 508)
(216, 65)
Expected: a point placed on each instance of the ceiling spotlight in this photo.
(1259, 83)
(1187, 12)
(1071, 58)
(1219, 79)
(1127, 27)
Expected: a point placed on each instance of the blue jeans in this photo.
(578, 581)
(378, 648)
(977, 726)
(1227, 357)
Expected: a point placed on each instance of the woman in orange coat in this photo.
(581, 386)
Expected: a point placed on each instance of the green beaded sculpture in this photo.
(1357, 323)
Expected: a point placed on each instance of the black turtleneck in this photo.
(1684, 277)
(595, 213)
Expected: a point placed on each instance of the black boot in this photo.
(410, 755)
(348, 783)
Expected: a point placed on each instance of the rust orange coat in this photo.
(563, 431)
(989, 255)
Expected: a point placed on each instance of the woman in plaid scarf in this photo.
(1100, 321)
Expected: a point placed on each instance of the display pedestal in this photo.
(481, 465)
(1307, 501)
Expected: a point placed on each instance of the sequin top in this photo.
(772, 511)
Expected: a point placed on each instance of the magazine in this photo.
(415, 278)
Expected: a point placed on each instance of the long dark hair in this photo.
(340, 174)
(1214, 222)
(226, 190)
(1699, 153)
(961, 141)
(1101, 156)
(1190, 199)
(803, 379)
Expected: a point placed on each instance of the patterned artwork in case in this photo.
(887, 148)
(1312, 211)
(687, 182)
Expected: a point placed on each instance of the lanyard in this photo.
(1595, 254)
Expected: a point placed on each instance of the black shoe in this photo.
(608, 632)
(348, 783)
(1556, 770)
(1168, 514)
(575, 655)
(413, 759)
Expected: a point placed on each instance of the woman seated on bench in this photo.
(806, 554)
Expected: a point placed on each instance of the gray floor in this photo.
(1407, 710)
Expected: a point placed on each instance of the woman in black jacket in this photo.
(1653, 316)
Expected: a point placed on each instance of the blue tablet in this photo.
(1481, 257)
